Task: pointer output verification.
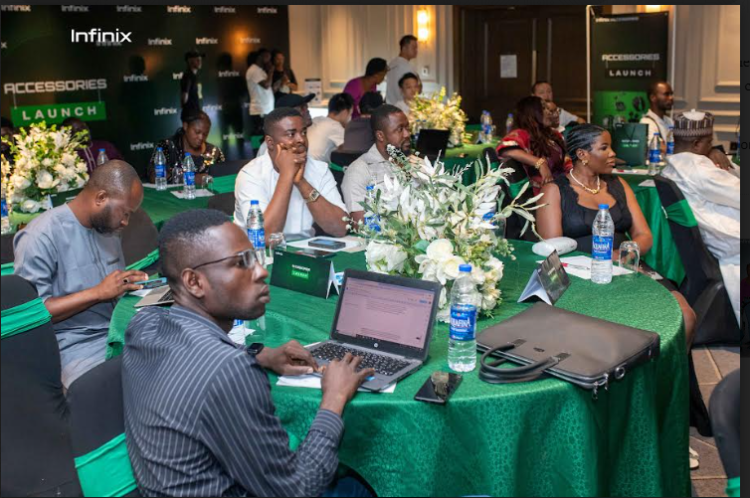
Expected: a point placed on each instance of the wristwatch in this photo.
(255, 348)
(314, 195)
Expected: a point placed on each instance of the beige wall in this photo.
(334, 42)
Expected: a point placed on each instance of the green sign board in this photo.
(57, 113)
(303, 273)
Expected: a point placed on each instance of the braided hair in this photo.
(582, 137)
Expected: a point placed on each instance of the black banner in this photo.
(119, 68)
(628, 52)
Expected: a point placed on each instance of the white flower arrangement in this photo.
(434, 112)
(429, 224)
(45, 162)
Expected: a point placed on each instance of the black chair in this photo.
(227, 168)
(139, 238)
(36, 452)
(515, 223)
(725, 419)
(223, 202)
(703, 286)
(97, 415)
(6, 249)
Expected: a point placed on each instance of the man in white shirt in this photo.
(713, 195)
(259, 78)
(391, 127)
(661, 98)
(399, 67)
(293, 190)
(543, 90)
(327, 132)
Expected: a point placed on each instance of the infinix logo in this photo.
(96, 35)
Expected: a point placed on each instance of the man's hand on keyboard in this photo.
(341, 381)
(289, 359)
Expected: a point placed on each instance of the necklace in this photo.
(587, 189)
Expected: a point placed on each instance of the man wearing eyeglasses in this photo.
(199, 417)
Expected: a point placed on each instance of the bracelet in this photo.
(539, 163)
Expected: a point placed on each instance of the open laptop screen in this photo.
(385, 312)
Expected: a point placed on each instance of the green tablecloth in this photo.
(461, 156)
(663, 256)
(536, 439)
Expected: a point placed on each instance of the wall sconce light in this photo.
(653, 8)
(423, 25)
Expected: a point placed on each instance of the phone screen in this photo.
(439, 387)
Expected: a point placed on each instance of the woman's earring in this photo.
(585, 162)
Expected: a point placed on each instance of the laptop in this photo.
(432, 143)
(386, 320)
(161, 296)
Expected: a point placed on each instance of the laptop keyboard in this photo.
(383, 365)
(168, 297)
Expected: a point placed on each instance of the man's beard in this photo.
(101, 222)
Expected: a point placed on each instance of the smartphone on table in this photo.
(327, 244)
(439, 387)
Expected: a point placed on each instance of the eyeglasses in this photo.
(247, 259)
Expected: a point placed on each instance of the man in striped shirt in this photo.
(199, 417)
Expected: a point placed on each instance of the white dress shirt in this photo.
(261, 99)
(396, 69)
(257, 182)
(657, 125)
(323, 137)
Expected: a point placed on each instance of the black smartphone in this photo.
(153, 284)
(438, 388)
(314, 253)
(331, 245)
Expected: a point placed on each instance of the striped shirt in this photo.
(200, 421)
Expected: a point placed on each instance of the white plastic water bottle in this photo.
(670, 141)
(6, 228)
(654, 154)
(465, 302)
(102, 157)
(372, 220)
(189, 176)
(255, 231)
(601, 246)
(160, 167)
(486, 133)
(509, 124)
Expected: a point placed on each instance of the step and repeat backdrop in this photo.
(119, 68)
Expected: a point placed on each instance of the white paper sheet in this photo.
(647, 183)
(643, 172)
(580, 266)
(313, 382)
(198, 193)
(169, 185)
(353, 244)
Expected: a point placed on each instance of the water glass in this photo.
(275, 241)
(206, 182)
(630, 256)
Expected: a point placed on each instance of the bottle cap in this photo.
(603, 206)
(187, 154)
(464, 268)
(370, 187)
(254, 203)
(102, 150)
(159, 149)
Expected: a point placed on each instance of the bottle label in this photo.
(257, 237)
(654, 156)
(160, 171)
(4, 208)
(670, 148)
(463, 322)
(189, 177)
(601, 248)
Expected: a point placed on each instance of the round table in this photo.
(543, 438)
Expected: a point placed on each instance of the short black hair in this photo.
(190, 116)
(183, 237)
(277, 115)
(114, 177)
(375, 66)
(340, 102)
(381, 115)
(582, 137)
(6, 123)
(405, 40)
(369, 102)
(405, 77)
(654, 87)
(536, 84)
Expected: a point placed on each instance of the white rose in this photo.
(29, 206)
(81, 167)
(478, 275)
(47, 162)
(385, 258)
(497, 266)
(20, 183)
(69, 159)
(449, 269)
(45, 180)
(440, 250)
(22, 161)
(61, 139)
